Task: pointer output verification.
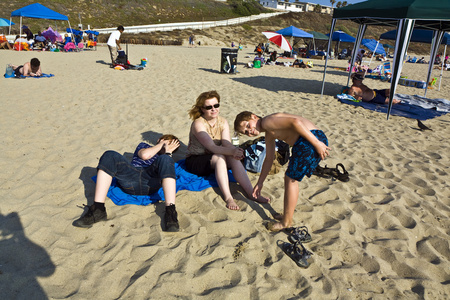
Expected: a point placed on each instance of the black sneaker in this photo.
(170, 219)
(93, 215)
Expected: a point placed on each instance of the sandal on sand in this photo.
(322, 172)
(298, 234)
(342, 176)
(297, 253)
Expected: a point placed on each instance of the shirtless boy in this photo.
(32, 68)
(309, 147)
(362, 92)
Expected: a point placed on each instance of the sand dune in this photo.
(382, 235)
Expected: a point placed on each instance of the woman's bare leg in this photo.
(219, 164)
(240, 174)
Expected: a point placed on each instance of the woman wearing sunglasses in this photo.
(210, 150)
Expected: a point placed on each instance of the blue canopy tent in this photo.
(37, 11)
(421, 36)
(374, 46)
(293, 31)
(340, 36)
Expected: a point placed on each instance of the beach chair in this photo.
(387, 68)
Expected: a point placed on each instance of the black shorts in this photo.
(199, 164)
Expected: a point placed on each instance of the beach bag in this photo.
(257, 64)
(255, 153)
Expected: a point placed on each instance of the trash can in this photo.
(228, 61)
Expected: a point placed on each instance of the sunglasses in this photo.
(209, 107)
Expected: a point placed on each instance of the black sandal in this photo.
(322, 172)
(297, 253)
(342, 176)
(298, 234)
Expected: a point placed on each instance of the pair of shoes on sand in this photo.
(94, 215)
(339, 172)
(295, 249)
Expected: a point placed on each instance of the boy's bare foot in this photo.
(275, 226)
(278, 217)
(231, 204)
(260, 199)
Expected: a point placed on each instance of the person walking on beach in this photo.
(309, 147)
(210, 150)
(191, 40)
(114, 43)
(152, 167)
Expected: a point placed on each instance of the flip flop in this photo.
(297, 253)
(342, 176)
(298, 234)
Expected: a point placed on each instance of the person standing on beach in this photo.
(210, 150)
(114, 43)
(151, 168)
(309, 147)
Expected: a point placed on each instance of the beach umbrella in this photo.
(278, 39)
(51, 34)
(5, 22)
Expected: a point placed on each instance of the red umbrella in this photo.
(278, 40)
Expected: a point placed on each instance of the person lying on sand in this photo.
(210, 149)
(31, 69)
(152, 167)
(309, 147)
(362, 92)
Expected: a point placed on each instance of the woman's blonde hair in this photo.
(196, 111)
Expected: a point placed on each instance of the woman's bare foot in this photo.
(231, 204)
(275, 226)
(260, 199)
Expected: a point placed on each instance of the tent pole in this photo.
(20, 34)
(356, 45)
(442, 68)
(437, 39)
(404, 31)
(333, 23)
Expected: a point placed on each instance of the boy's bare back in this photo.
(284, 126)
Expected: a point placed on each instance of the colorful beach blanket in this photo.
(184, 181)
(414, 107)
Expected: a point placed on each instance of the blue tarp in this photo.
(418, 35)
(38, 11)
(371, 44)
(295, 32)
(341, 36)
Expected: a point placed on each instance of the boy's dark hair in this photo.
(35, 62)
(243, 116)
(169, 137)
(120, 27)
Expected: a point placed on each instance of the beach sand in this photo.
(382, 235)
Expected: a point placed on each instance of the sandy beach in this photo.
(382, 235)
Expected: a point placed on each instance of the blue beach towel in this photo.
(184, 181)
(408, 108)
(22, 77)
